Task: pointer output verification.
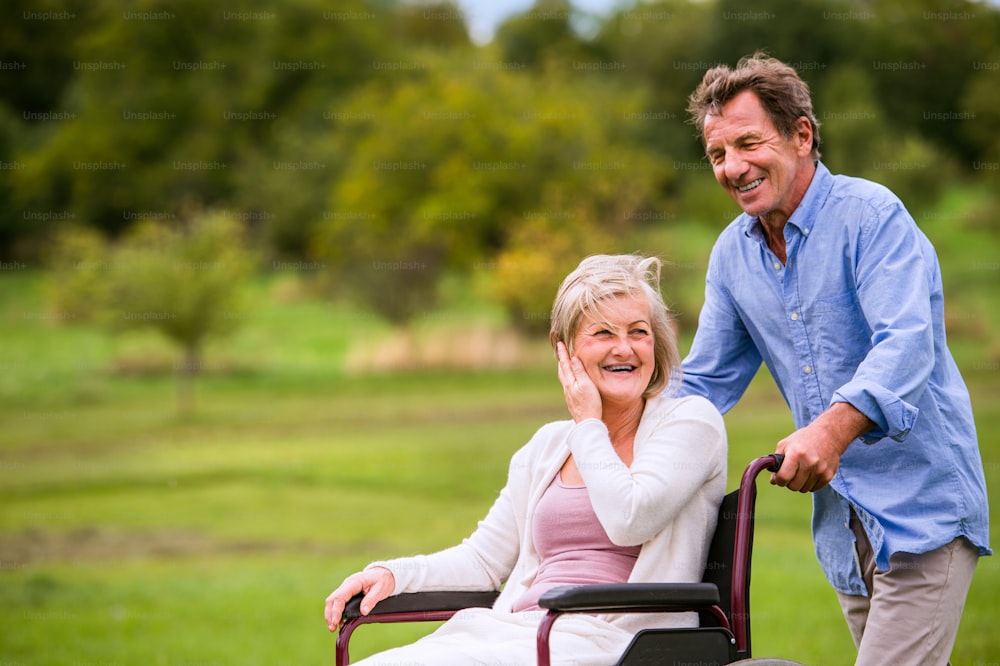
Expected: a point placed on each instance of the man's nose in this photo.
(734, 166)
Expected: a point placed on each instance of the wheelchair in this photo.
(722, 599)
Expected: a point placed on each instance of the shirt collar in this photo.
(804, 215)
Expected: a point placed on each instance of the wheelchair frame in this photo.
(722, 599)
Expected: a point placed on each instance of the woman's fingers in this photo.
(582, 397)
(564, 368)
(335, 603)
(379, 590)
(376, 583)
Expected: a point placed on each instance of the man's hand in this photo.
(376, 583)
(812, 454)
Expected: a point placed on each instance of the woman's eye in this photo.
(640, 332)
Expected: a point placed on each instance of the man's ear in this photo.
(804, 134)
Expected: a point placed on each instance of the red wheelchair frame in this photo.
(722, 599)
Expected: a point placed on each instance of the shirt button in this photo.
(795, 316)
(807, 369)
(805, 231)
(777, 265)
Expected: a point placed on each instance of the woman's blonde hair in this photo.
(604, 276)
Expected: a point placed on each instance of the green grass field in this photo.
(132, 535)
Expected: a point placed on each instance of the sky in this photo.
(483, 16)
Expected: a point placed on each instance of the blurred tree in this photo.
(373, 133)
(662, 46)
(804, 33)
(38, 42)
(288, 179)
(429, 23)
(851, 118)
(168, 103)
(447, 165)
(540, 253)
(981, 99)
(859, 139)
(542, 33)
(183, 282)
(923, 59)
(38, 46)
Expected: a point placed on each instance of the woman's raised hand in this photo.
(582, 397)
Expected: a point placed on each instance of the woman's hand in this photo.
(582, 397)
(376, 583)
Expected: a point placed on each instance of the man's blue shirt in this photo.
(856, 315)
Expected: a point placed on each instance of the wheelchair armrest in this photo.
(665, 597)
(423, 602)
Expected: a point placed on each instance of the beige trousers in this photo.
(912, 612)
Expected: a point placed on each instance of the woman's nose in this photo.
(622, 346)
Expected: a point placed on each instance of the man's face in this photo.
(764, 172)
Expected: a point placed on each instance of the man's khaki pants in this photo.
(912, 611)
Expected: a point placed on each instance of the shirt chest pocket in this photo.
(838, 330)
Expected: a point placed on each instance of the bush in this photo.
(183, 282)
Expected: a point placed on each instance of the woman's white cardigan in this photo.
(667, 501)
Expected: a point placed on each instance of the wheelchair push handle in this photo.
(770, 463)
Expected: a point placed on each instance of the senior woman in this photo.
(626, 490)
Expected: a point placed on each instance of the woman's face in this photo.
(616, 348)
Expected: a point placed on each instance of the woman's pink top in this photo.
(573, 547)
